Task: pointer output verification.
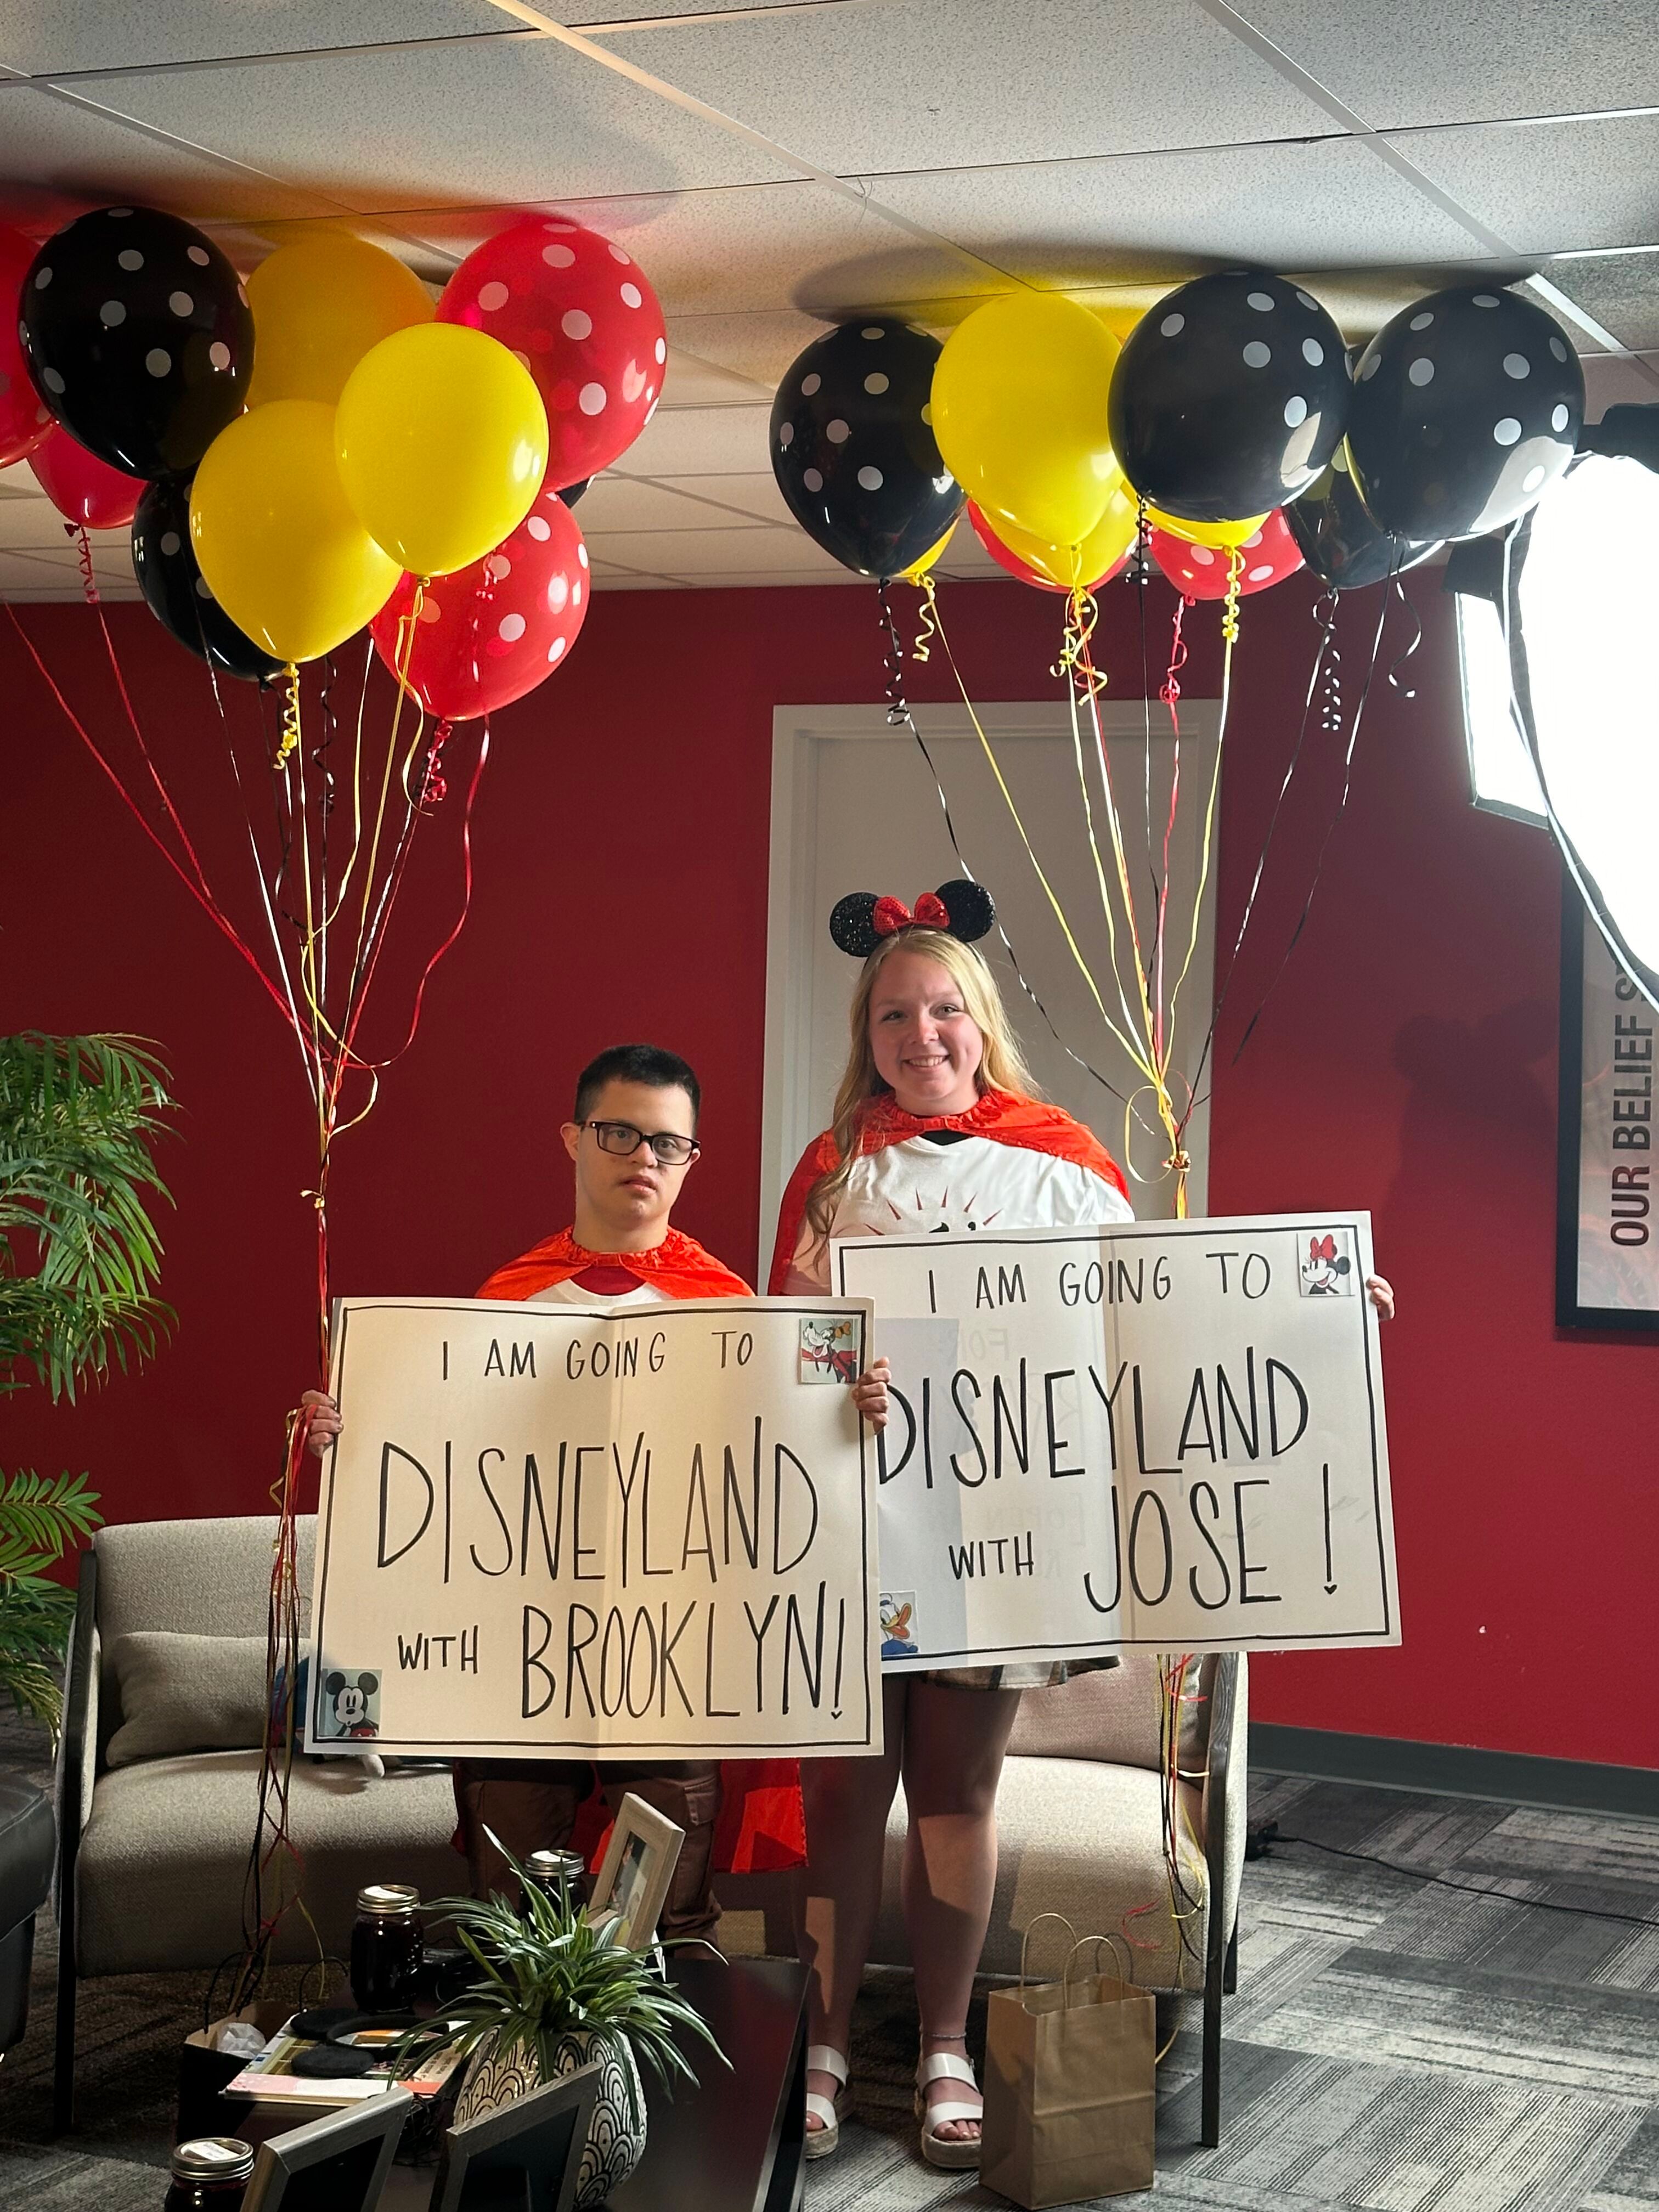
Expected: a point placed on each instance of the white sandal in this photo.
(943, 2065)
(821, 2141)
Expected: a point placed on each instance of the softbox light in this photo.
(1583, 621)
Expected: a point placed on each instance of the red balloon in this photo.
(488, 633)
(83, 488)
(579, 314)
(25, 418)
(1007, 558)
(1199, 571)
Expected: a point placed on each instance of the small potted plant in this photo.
(556, 1991)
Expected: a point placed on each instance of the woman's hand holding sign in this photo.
(870, 1394)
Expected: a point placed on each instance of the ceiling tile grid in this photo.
(776, 164)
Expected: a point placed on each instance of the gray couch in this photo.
(153, 1854)
(1080, 1831)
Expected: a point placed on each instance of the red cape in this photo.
(761, 1825)
(999, 1114)
(678, 1267)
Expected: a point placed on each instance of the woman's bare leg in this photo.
(954, 1742)
(839, 1894)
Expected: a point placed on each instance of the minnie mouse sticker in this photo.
(1328, 1269)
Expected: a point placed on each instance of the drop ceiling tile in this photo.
(42, 36)
(709, 552)
(1419, 60)
(1159, 218)
(485, 120)
(801, 244)
(756, 348)
(627, 503)
(915, 83)
(32, 524)
(58, 157)
(692, 382)
(689, 441)
(1549, 187)
(605, 18)
(765, 580)
(1612, 378)
(1622, 290)
(754, 496)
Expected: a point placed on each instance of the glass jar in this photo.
(209, 2175)
(561, 1876)
(386, 1948)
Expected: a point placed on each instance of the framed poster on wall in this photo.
(1607, 1238)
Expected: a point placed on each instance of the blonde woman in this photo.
(937, 1128)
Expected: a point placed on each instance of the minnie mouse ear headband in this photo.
(860, 922)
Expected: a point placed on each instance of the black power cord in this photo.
(1259, 1843)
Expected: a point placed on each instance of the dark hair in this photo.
(637, 1063)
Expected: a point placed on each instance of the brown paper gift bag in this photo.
(1069, 2085)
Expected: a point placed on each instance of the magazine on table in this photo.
(270, 2077)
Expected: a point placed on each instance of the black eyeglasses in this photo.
(668, 1147)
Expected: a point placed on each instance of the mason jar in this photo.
(209, 2175)
(386, 1948)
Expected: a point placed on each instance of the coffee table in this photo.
(736, 2141)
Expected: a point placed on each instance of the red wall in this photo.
(1405, 1062)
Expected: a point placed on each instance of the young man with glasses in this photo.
(632, 1138)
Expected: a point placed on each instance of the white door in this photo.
(855, 807)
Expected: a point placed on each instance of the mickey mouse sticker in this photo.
(350, 1705)
(1327, 1271)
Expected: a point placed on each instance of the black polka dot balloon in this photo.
(1338, 540)
(176, 590)
(1229, 396)
(853, 450)
(1466, 406)
(137, 337)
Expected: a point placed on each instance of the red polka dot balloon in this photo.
(1199, 571)
(25, 418)
(579, 314)
(488, 633)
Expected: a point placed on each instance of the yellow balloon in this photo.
(1205, 533)
(441, 437)
(1019, 411)
(918, 569)
(1076, 567)
(319, 305)
(277, 545)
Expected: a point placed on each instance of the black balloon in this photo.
(138, 338)
(176, 590)
(1230, 396)
(1466, 406)
(853, 450)
(571, 493)
(1338, 540)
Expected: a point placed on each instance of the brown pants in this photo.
(531, 1804)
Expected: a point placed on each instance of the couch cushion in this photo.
(186, 1693)
(1085, 1840)
(159, 1881)
(1113, 1715)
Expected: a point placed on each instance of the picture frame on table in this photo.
(341, 2160)
(1606, 1231)
(529, 2154)
(632, 1883)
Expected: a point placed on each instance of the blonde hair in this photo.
(1002, 1064)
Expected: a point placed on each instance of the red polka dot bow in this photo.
(891, 915)
(1322, 1248)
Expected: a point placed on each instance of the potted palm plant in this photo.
(79, 1258)
(556, 1991)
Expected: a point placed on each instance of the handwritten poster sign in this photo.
(1166, 1434)
(581, 1530)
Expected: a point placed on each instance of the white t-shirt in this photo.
(917, 1186)
(571, 1293)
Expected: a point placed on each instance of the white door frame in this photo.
(789, 1116)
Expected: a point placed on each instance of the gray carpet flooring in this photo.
(1396, 2045)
